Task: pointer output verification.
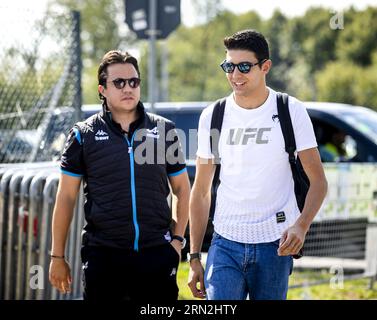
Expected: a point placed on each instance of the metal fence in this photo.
(343, 236)
(27, 198)
(40, 76)
(340, 228)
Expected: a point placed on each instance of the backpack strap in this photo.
(216, 125)
(301, 181)
(286, 125)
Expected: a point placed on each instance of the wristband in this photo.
(57, 257)
(195, 255)
(181, 239)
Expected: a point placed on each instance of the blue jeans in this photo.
(234, 270)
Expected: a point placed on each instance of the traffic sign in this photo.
(168, 17)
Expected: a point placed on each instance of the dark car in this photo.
(358, 124)
(35, 145)
(16, 145)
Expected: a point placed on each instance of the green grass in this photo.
(182, 276)
(352, 289)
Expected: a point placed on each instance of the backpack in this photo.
(301, 181)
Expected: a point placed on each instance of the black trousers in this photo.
(118, 275)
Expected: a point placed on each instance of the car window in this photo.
(364, 121)
(334, 144)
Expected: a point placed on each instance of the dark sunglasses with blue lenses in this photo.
(243, 67)
(120, 83)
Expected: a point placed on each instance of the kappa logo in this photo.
(101, 135)
(153, 133)
(275, 117)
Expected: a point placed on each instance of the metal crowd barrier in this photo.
(27, 197)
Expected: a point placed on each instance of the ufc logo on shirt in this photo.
(242, 136)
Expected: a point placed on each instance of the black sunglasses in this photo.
(120, 83)
(243, 67)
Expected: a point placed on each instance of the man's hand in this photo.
(60, 275)
(177, 245)
(196, 275)
(292, 240)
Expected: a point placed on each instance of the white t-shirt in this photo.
(256, 178)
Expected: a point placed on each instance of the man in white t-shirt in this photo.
(257, 223)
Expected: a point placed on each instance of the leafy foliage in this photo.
(101, 25)
(311, 59)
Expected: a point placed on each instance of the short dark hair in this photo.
(113, 57)
(250, 40)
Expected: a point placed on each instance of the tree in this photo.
(100, 29)
(206, 11)
(358, 41)
(336, 83)
(101, 22)
(312, 37)
(277, 40)
(366, 85)
(196, 53)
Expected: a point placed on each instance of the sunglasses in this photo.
(243, 67)
(120, 83)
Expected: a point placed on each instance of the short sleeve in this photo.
(72, 159)
(175, 159)
(302, 125)
(204, 127)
